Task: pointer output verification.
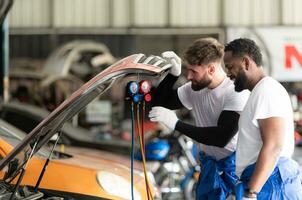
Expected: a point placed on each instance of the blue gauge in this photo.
(137, 98)
(133, 87)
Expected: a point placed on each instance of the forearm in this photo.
(165, 95)
(265, 165)
(205, 135)
(219, 135)
(272, 134)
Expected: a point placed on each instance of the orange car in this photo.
(77, 176)
(74, 175)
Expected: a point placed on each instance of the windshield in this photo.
(13, 136)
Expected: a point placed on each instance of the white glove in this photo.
(175, 60)
(163, 115)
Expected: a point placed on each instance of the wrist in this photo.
(177, 125)
(175, 73)
(173, 125)
(250, 193)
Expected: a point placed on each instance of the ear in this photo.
(211, 69)
(247, 63)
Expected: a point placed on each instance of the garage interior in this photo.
(51, 48)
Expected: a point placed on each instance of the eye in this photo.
(230, 67)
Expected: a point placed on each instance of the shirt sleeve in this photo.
(184, 94)
(270, 102)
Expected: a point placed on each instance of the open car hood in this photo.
(5, 6)
(131, 65)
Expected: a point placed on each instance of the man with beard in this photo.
(266, 130)
(216, 106)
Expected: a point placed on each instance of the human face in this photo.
(235, 70)
(199, 77)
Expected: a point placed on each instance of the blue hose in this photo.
(132, 150)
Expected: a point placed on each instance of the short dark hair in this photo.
(203, 51)
(244, 46)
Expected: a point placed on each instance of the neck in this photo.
(219, 76)
(259, 74)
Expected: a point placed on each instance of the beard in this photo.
(240, 82)
(199, 85)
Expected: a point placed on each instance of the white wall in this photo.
(251, 12)
(81, 13)
(30, 13)
(154, 13)
(150, 13)
(195, 13)
(121, 13)
(292, 14)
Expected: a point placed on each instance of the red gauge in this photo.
(148, 97)
(145, 86)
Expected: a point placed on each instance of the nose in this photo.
(230, 75)
(189, 76)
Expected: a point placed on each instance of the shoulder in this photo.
(269, 86)
(269, 92)
(185, 88)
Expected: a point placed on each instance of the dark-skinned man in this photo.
(266, 129)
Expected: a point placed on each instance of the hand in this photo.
(163, 115)
(175, 60)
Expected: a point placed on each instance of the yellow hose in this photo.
(149, 192)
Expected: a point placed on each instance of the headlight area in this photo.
(116, 185)
(152, 182)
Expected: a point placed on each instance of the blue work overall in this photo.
(217, 178)
(283, 184)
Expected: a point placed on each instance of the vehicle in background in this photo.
(65, 70)
(81, 58)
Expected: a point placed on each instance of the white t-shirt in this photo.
(207, 105)
(267, 99)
